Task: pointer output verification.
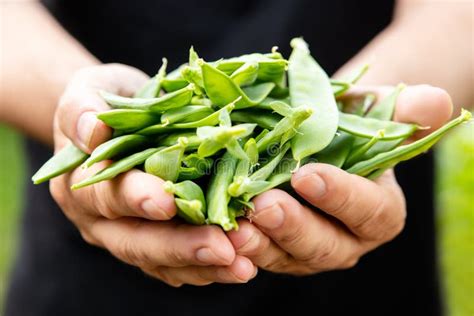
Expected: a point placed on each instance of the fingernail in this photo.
(311, 186)
(85, 127)
(270, 217)
(207, 256)
(153, 211)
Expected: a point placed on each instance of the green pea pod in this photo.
(264, 119)
(116, 168)
(199, 100)
(186, 190)
(190, 113)
(217, 196)
(174, 81)
(196, 167)
(264, 172)
(341, 86)
(152, 87)
(171, 139)
(389, 159)
(337, 151)
(159, 129)
(246, 74)
(65, 160)
(114, 147)
(191, 211)
(385, 109)
(368, 127)
(189, 173)
(193, 57)
(166, 162)
(168, 101)
(222, 90)
(127, 120)
(310, 86)
(266, 104)
(358, 152)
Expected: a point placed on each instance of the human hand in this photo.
(130, 215)
(352, 215)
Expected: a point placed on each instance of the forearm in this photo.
(38, 58)
(428, 42)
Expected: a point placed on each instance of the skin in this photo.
(130, 215)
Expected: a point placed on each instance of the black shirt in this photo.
(57, 273)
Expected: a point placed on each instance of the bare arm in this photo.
(38, 58)
(429, 41)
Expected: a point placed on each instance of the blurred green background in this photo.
(455, 212)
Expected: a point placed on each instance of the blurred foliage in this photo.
(455, 188)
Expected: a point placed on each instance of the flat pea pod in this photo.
(128, 120)
(266, 104)
(174, 81)
(310, 86)
(217, 197)
(222, 90)
(114, 147)
(368, 127)
(190, 211)
(337, 151)
(389, 159)
(264, 119)
(165, 163)
(196, 167)
(152, 87)
(246, 74)
(171, 139)
(168, 101)
(358, 152)
(185, 114)
(187, 190)
(65, 160)
(385, 109)
(193, 75)
(116, 168)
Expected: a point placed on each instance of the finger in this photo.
(424, 105)
(307, 236)
(149, 244)
(241, 270)
(80, 102)
(134, 193)
(371, 210)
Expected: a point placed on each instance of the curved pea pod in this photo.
(368, 127)
(220, 137)
(187, 190)
(246, 74)
(199, 100)
(358, 151)
(385, 109)
(310, 86)
(168, 101)
(217, 197)
(244, 166)
(65, 160)
(190, 211)
(376, 165)
(127, 120)
(287, 127)
(165, 163)
(152, 87)
(195, 167)
(266, 104)
(185, 114)
(116, 168)
(114, 147)
(264, 119)
(172, 139)
(174, 81)
(159, 129)
(194, 75)
(337, 151)
(221, 89)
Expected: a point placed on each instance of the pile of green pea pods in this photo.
(222, 132)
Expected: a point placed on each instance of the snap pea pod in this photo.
(264, 172)
(310, 86)
(199, 100)
(266, 104)
(246, 74)
(337, 151)
(65, 160)
(358, 151)
(114, 147)
(389, 159)
(152, 87)
(171, 139)
(116, 168)
(221, 89)
(368, 127)
(188, 193)
(174, 81)
(341, 86)
(168, 101)
(193, 75)
(166, 162)
(195, 167)
(190, 211)
(244, 166)
(128, 120)
(185, 114)
(264, 119)
(385, 109)
(217, 196)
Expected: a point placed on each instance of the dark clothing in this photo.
(57, 273)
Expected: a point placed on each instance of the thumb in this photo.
(80, 103)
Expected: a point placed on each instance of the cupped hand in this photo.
(130, 215)
(351, 215)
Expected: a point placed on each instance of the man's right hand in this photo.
(131, 215)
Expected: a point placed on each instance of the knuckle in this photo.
(349, 263)
(128, 251)
(254, 245)
(372, 224)
(324, 254)
(293, 236)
